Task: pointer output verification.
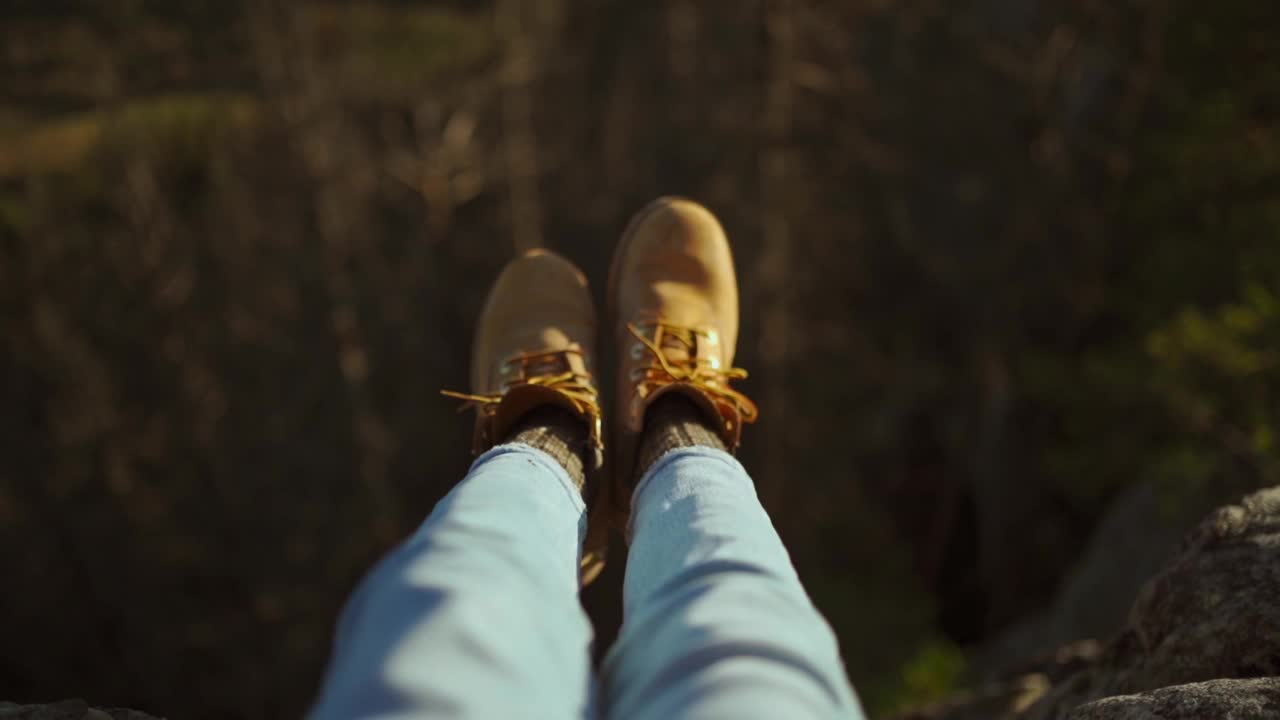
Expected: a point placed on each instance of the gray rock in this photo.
(1255, 699)
(1213, 613)
(1203, 639)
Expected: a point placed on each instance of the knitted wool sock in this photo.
(558, 433)
(673, 422)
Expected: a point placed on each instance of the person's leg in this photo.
(477, 615)
(716, 622)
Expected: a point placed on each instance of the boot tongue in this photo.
(675, 347)
(677, 352)
(554, 363)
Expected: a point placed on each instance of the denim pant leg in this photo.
(477, 614)
(716, 623)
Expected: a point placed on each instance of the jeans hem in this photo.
(672, 456)
(548, 463)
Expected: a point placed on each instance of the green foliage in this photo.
(883, 616)
(1215, 375)
(1179, 386)
(934, 673)
(175, 127)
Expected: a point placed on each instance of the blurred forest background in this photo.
(1010, 274)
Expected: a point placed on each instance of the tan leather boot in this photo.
(673, 300)
(533, 347)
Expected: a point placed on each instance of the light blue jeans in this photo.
(477, 614)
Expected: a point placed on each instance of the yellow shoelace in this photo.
(576, 387)
(713, 381)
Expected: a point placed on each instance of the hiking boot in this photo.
(533, 348)
(673, 306)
